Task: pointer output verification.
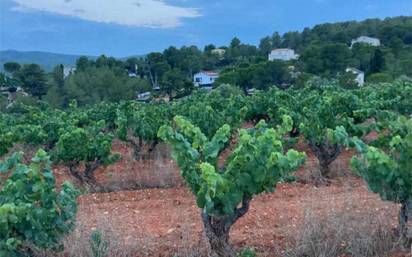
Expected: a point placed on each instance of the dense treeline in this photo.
(324, 51)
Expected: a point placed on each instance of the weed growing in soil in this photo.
(339, 233)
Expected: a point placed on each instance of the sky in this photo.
(133, 27)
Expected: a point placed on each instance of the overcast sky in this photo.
(129, 27)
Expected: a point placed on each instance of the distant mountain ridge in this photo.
(45, 59)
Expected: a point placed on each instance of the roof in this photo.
(283, 49)
(209, 73)
(366, 37)
(354, 70)
(143, 96)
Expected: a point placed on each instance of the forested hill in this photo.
(324, 51)
(45, 59)
(391, 32)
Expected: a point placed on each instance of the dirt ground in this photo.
(165, 221)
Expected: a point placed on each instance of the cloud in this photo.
(138, 13)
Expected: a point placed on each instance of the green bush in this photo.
(379, 77)
(32, 212)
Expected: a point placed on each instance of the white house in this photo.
(143, 96)
(219, 52)
(133, 74)
(205, 78)
(366, 40)
(360, 75)
(251, 91)
(11, 94)
(284, 54)
(68, 71)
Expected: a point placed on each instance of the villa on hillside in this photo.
(366, 40)
(205, 78)
(143, 97)
(11, 94)
(219, 52)
(68, 71)
(359, 75)
(133, 73)
(284, 54)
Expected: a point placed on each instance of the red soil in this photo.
(167, 220)
(164, 222)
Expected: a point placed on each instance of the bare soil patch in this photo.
(166, 221)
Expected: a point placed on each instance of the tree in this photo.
(82, 63)
(56, 94)
(156, 67)
(209, 48)
(188, 88)
(259, 76)
(276, 40)
(131, 65)
(187, 59)
(377, 62)
(58, 76)
(326, 59)
(104, 61)
(361, 57)
(32, 211)
(11, 67)
(257, 164)
(173, 56)
(312, 61)
(271, 73)
(33, 79)
(265, 46)
(291, 40)
(379, 78)
(335, 58)
(93, 85)
(235, 42)
(3, 105)
(172, 81)
(386, 167)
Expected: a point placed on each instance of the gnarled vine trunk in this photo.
(294, 132)
(326, 154)
(404, 218)
(86, 176)
(137, 145)
(217, 229)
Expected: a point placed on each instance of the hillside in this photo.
(45, 59)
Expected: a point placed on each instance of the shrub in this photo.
(257, 164)
(386, 167)
(339, 233)
(32, 212)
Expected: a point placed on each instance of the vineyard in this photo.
(232, 151)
